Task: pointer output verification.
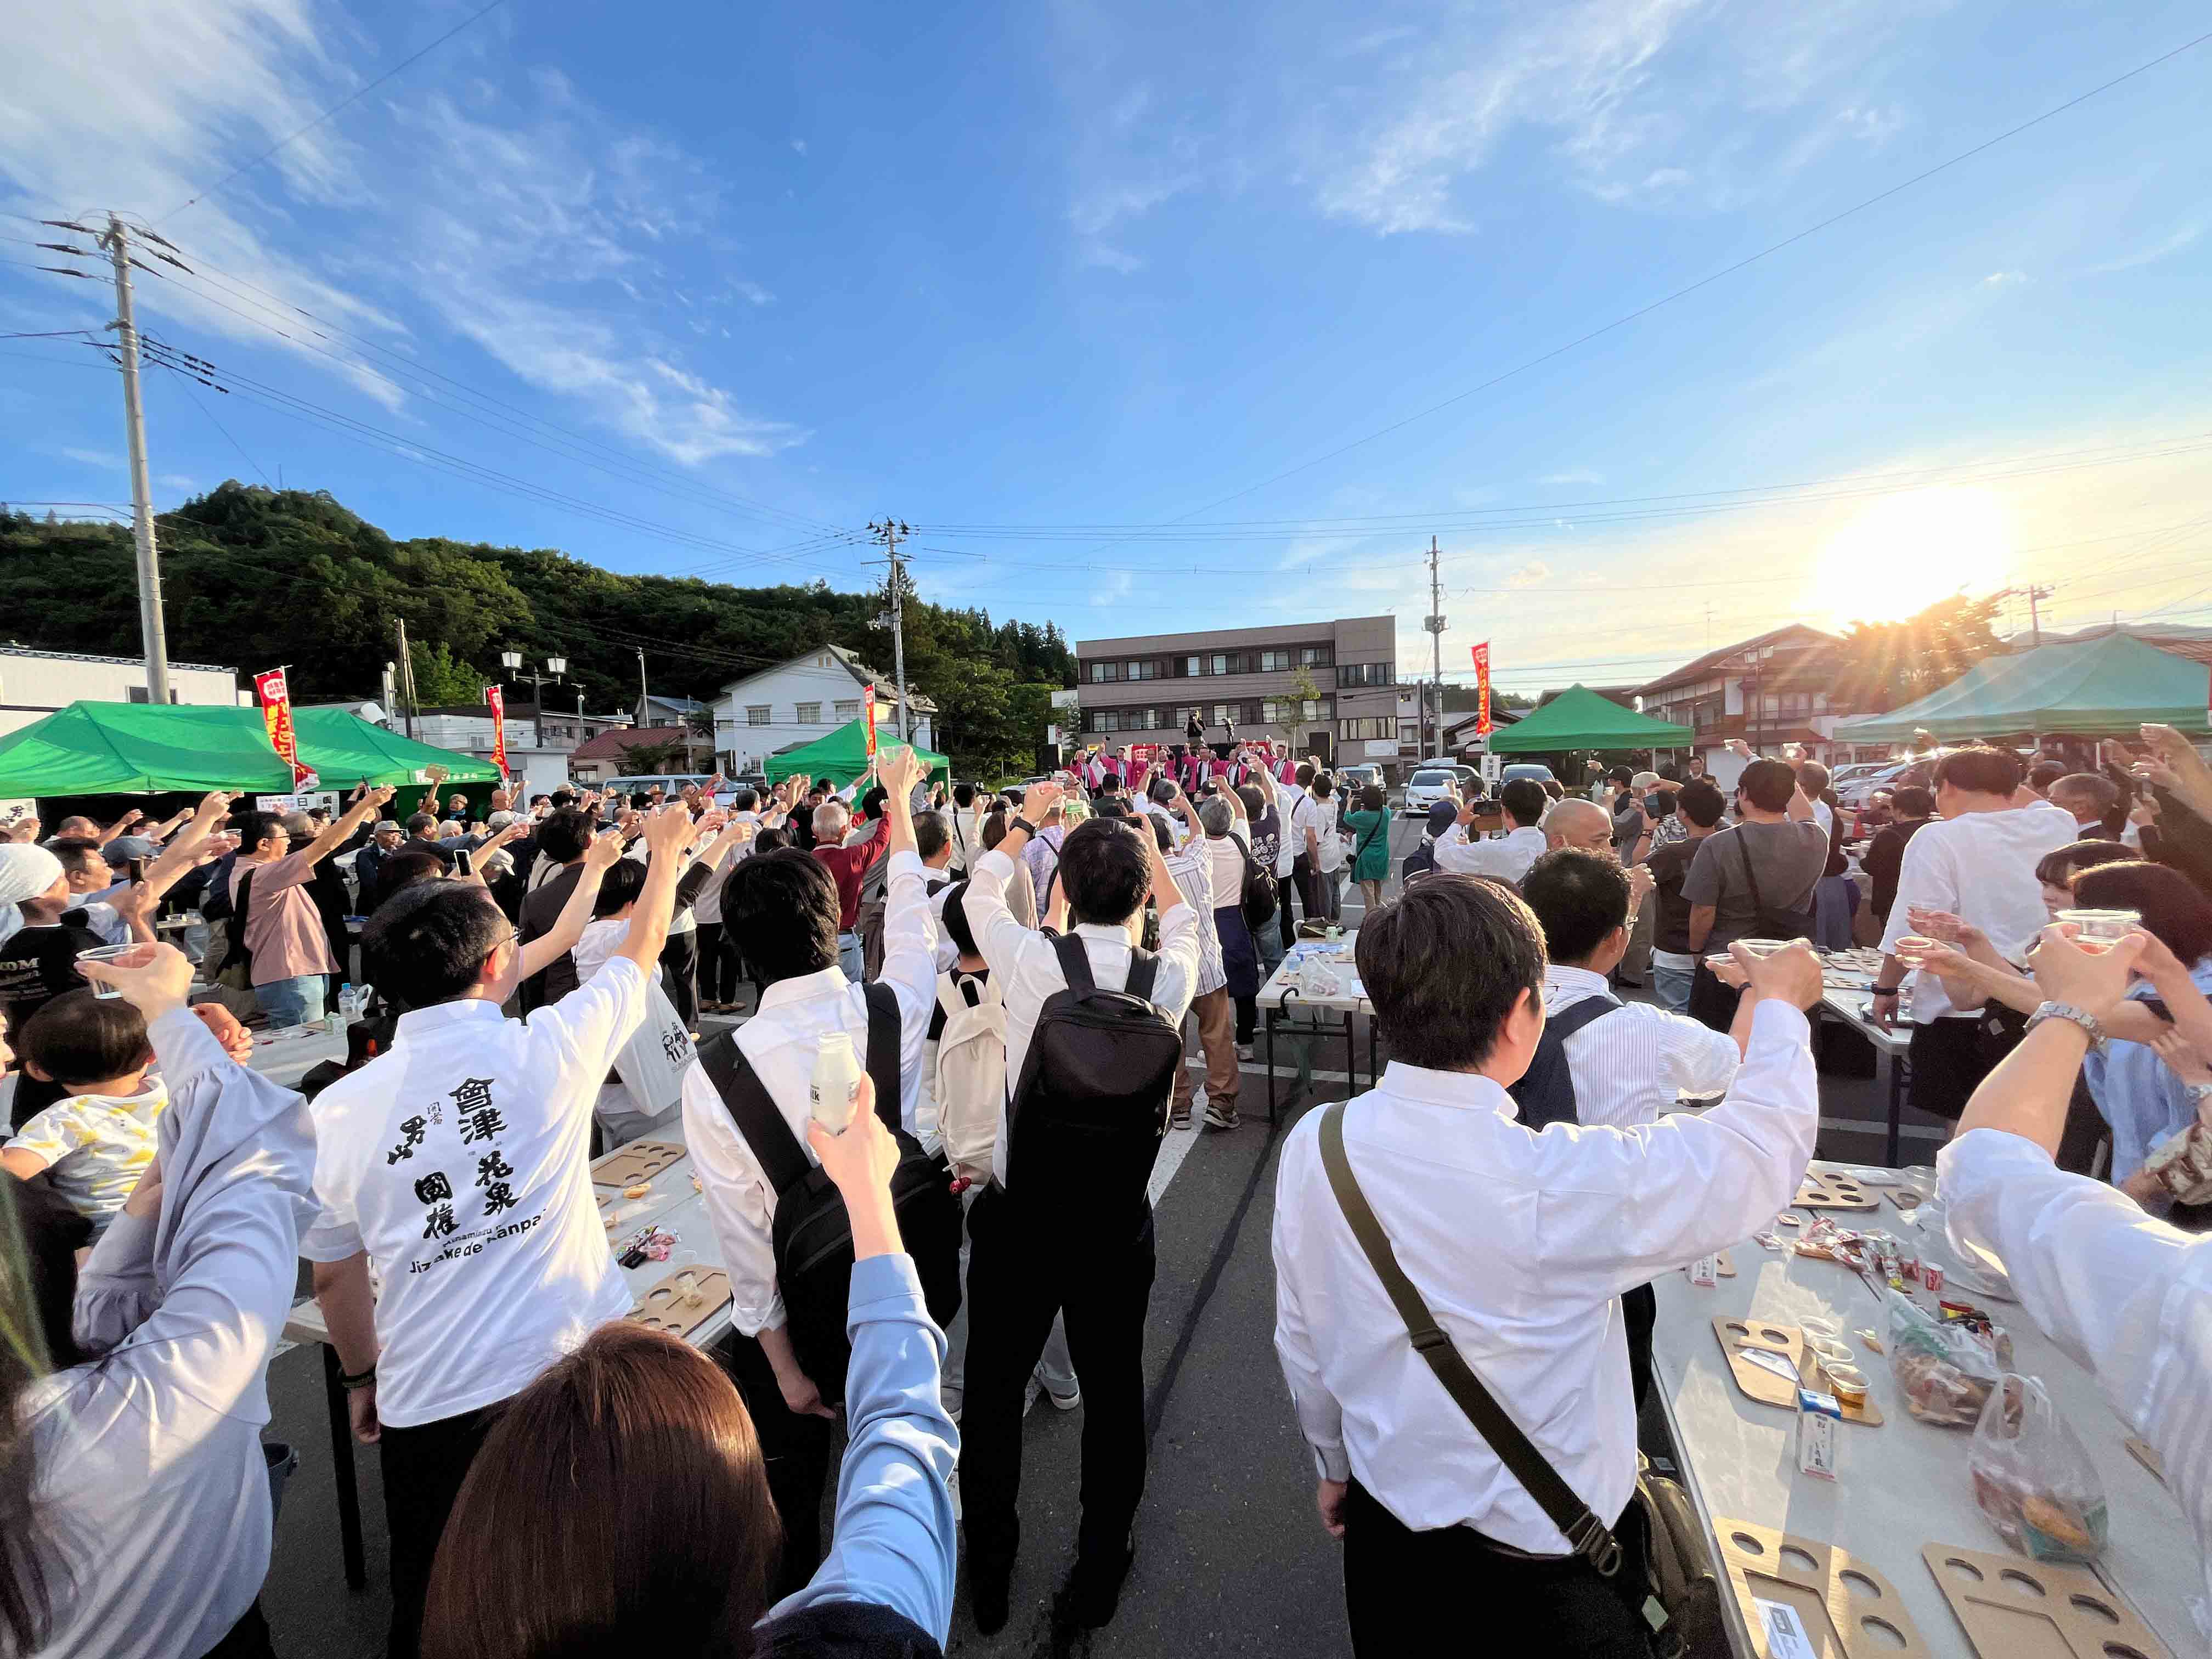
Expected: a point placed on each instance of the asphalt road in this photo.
(1230, 1559)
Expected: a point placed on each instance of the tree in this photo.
(1884, 665)
(440, 682)
(1303, 687)
(645, 760)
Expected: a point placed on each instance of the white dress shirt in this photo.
(1507, 858)
(1979, 866)
(1629, 1066)
(779, 1043)
(1520, 1243)
(1192, 869)
(460, 1160)
(1027, 969)
(2127, 1297)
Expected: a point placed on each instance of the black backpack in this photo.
(1545, 1092)
(1090, 1108)
(812, 1236)
(1258, 898)
(1421, 861)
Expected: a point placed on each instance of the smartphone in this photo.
(138, 871)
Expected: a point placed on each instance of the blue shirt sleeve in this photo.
(894, 1543)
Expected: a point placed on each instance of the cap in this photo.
(393, 825)
(1442, 817)
(25, 871)
(124, 849)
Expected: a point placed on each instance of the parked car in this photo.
(1427, 785)
(1356, 778)
(1534, 770)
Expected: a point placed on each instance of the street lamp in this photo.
(555, 668)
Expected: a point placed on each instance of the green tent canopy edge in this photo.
(842, 756)
(1578, 718)
(2106, 686)
(130, 748)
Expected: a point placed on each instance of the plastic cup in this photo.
(1849, 1383)
(1912, 946)
(119, 954)
(1816, 1326)
(1765, 947)
(1830, 1350)
(2100, 929)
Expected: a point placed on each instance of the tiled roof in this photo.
(1704, 667)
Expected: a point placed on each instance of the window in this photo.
(1365, 673)
(1351, 731)
(1274, 662)
(757, 714)
(808, 713)
(662, 726)
(1316, 656)
(848, 708)
(1103, 671)
(1221, 713)
(1193, 666)
(1147, 670)
(138, 694)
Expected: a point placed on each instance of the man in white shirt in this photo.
(459, 1160)
(966, 823)
(1628, 1062)
(1521, 1243)
(1324, 845)
(1290, 845)
(2127, 1297)
(1024, 1266)
(1508, 857)
(781, 907)
(1977, 862)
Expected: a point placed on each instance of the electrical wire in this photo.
(353, 97)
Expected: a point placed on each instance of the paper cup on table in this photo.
(123, 956)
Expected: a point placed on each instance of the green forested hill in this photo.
(256, 577)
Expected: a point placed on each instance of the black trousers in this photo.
(718, 963)
(1407, 1592)
(424, 1468)
(797, 1451)
(1640, 1311)
(246, 1639)
(1025, 1265)
(679, 965)
(1950, 1058)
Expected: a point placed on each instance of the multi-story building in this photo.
(1770, 690)
(1326, 688)
(36, 683)
(806, 697)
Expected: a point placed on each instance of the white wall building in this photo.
(36, 683)
(808, 697)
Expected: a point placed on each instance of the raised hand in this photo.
(2092, 980)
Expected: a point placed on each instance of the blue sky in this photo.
(1042, 279)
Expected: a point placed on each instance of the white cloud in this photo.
(2004, 279)
(98, 457)
(2164, 247)
(516, 223)
(799, 146)
(1578, 476)
(177, 481)
(1533, 573)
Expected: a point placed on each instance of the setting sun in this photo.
(1903, 553)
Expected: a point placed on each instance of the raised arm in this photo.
(120, 825)
(548, 948)
(667, 833)
(183, 853)
(361, 811)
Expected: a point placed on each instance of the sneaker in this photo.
(1223, 1117)
(1244, 1053)
(1066, 1402)
(989, 1585)
(1179, 1117)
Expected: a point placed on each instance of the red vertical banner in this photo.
(1482, 689)
(497, 696)
(868, 713)
(276, 713)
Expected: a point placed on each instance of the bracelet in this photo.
(1886, 990)
(1025, 826)
(357, 1379)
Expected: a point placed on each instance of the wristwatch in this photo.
(2089, 1022)
(1025, 827)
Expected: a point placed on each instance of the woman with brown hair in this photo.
(623, 1498)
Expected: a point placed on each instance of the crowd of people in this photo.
(1022, 985)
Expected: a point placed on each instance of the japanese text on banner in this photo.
(1482, 689)
(277, 712)
(497, 696)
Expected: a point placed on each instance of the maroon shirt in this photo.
(849, 865)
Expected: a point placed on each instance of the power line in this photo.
(179, 375)
(353, 97)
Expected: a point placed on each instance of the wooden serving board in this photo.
(1826, 1190)
(641, 1160)
(1846, 1607)
(664, 1309)
(1757, 1382)
(2013, 1607)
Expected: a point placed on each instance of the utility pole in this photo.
(888, 533)
(1435, 624)
(406, 674)
(151, 633)
(2035, 595)
(643, 696)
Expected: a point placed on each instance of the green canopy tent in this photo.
(1580, 719)
(2101, 687)
(842, 756)
(136, 748)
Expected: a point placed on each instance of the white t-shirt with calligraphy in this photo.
(460, 1160)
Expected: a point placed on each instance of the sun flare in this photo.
(1905, 552)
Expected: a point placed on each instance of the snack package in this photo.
(2033, 1478)
(1945, 1371)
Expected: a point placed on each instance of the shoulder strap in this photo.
(1743, 851)
(241, 909)
(746, 1099)
(882, 1061)
(1573, 1018)
(1074, 963)
(1144, 969)
(1589, 1536)
(1368, 839)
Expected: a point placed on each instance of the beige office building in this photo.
(1143, 690)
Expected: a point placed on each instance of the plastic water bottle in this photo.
(836, 1076)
